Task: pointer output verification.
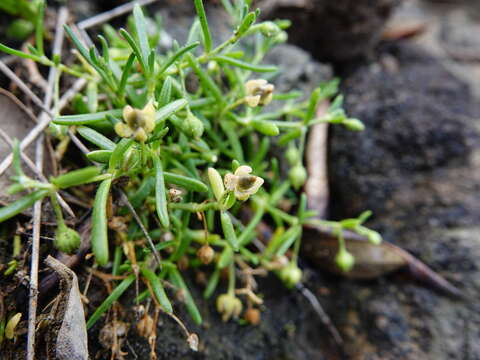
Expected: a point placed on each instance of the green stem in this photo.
(194, 207)
(231, 279)
(57, 209)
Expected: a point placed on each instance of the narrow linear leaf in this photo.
(125, 74)
(226, 257)
(105, 305)
(158, 289)
(178, 281)
(168, 110)
(75, 177)
(99, 223)
(117, 154)
(245, 65)
(247, 21)
(85, 119)
(212, 284)
(177, 55)
(166, 92)
(141, 30)
(160, 193)
(39, 28)
(185, 182)
(18, 206)
(135, 48)
(19, 53)
(96, 138)
(101, 156)
(228, 230)
(207, 38)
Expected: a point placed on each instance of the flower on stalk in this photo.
(138, 123)
(242, 183)
(259, 92)
(229, 306)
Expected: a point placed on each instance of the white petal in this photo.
(230, 181)
(243, 170)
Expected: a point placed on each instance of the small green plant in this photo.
(191, 160)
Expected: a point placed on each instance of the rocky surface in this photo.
(338, 31)
(417, 168)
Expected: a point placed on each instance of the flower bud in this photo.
(206, 254)
(269, 29)
(374, 237)
(265, 127)
(66, 240)
(344, 260)
(297, 175)
(291, 275)
(353, 124)
(216, 183)
(192, 126)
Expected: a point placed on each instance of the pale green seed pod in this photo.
(292, 155)
(291, 275)
(344, 260)
(297, 175)
(66, 240)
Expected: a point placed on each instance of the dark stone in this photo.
(338, 31)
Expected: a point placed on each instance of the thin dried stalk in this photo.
(37, 212)
(108, 15)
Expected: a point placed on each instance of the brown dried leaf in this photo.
(67, 335)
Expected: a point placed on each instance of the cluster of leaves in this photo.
(25, 13)
(184, 136)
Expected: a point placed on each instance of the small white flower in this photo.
(242, 183)
(259, 92)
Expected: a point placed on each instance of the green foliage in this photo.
(186, 135)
